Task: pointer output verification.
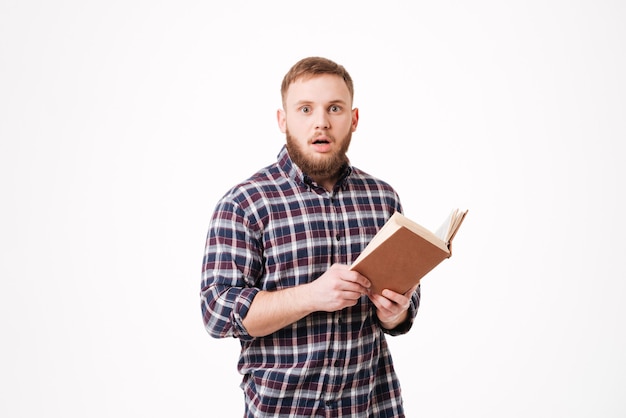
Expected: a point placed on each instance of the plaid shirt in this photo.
(278, 229)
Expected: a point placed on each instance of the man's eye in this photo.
(334, 108)
(305, 109)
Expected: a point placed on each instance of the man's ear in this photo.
(282, 120)
(355, 118)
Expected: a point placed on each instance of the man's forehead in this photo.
(326, 87)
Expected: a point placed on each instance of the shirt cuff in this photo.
(240, 310)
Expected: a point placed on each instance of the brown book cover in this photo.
(403, 252)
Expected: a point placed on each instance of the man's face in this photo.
(318, 122)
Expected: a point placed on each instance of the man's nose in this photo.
(322, 121)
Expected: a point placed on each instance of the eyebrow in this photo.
(335, 101)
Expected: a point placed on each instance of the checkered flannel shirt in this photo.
(279, 229)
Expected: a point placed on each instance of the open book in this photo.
(402, 252)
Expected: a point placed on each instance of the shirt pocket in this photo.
(358, 238)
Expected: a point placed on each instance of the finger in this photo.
(382, 303)
(394, 296)
(355, 288)
(395, 302)
(351, 297)
(412, 290)
(355, 277)
(376, 300)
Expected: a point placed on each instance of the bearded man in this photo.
(276, 275)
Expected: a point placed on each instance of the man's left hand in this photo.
(392, 308)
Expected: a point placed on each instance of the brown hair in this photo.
(312, 66)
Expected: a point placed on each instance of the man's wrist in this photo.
(393, 324)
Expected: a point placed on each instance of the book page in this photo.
(456, 223)
(449, 227)
(443, 231)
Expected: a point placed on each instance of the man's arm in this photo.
(334, 290)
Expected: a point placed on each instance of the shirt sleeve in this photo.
(232, 265)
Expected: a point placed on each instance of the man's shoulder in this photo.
(263, 181)
(362, 179)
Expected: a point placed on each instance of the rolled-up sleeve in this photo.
(231, 267)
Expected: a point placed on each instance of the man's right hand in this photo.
(337, 288)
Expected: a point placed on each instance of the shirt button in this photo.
(338, 237)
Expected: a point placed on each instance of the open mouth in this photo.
(322, 145)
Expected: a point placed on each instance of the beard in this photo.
(323, 167)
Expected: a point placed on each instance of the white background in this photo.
(123, 122)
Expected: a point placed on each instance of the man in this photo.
(276, 267)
